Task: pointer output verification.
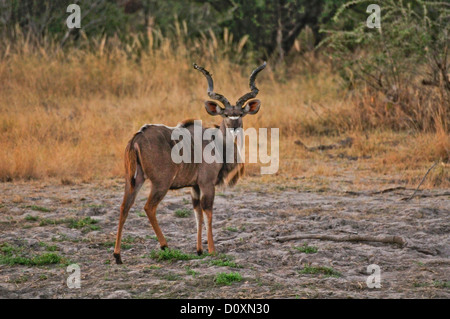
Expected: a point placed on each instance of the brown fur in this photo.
(186, 122)
(230, 172)
(148, 156)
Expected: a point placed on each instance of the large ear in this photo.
(213, 108)
(252, 107)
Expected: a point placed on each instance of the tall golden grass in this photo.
(69, 114)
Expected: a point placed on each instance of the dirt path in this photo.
(37, 219)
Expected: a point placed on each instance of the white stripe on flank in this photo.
(147, 125)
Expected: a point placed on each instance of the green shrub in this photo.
(402, 66)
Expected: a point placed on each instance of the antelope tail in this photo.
(131, 161)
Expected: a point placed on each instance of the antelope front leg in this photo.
(195, 194)
(206, 201)
(208, 223)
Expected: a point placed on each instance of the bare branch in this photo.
(423, 179)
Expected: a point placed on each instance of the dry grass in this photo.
(70, 114)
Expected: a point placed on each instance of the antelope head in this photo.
(232, 114)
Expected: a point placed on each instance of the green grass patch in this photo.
(171, 277)
(63, 237)
(435, 284)
(110, 244)
(86, 223)
(38, 260)
(48, 221)
(141, 214)
(191, 272)
(232, 229)
(226, 279)
(172, 254)
(307, 249)
(46, 259)
(82, 223)
(38, 208)
(14, 255)
(48, 247)
(20, 280)
(441, 284)
(320, 270)
(125, 244)
(151, 268)
(223, 260)
(154, 237)
(95, 205)
(30, 218)
(183, 213)
(8, 249)
(130, 239)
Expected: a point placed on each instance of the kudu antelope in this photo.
(148, 156)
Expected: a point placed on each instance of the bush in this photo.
(403, 66)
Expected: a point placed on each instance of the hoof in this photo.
(164, 247)
(200, 252)
(118, 259)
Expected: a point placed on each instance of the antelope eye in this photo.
(233, 117)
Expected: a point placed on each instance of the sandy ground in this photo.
(246, 225)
